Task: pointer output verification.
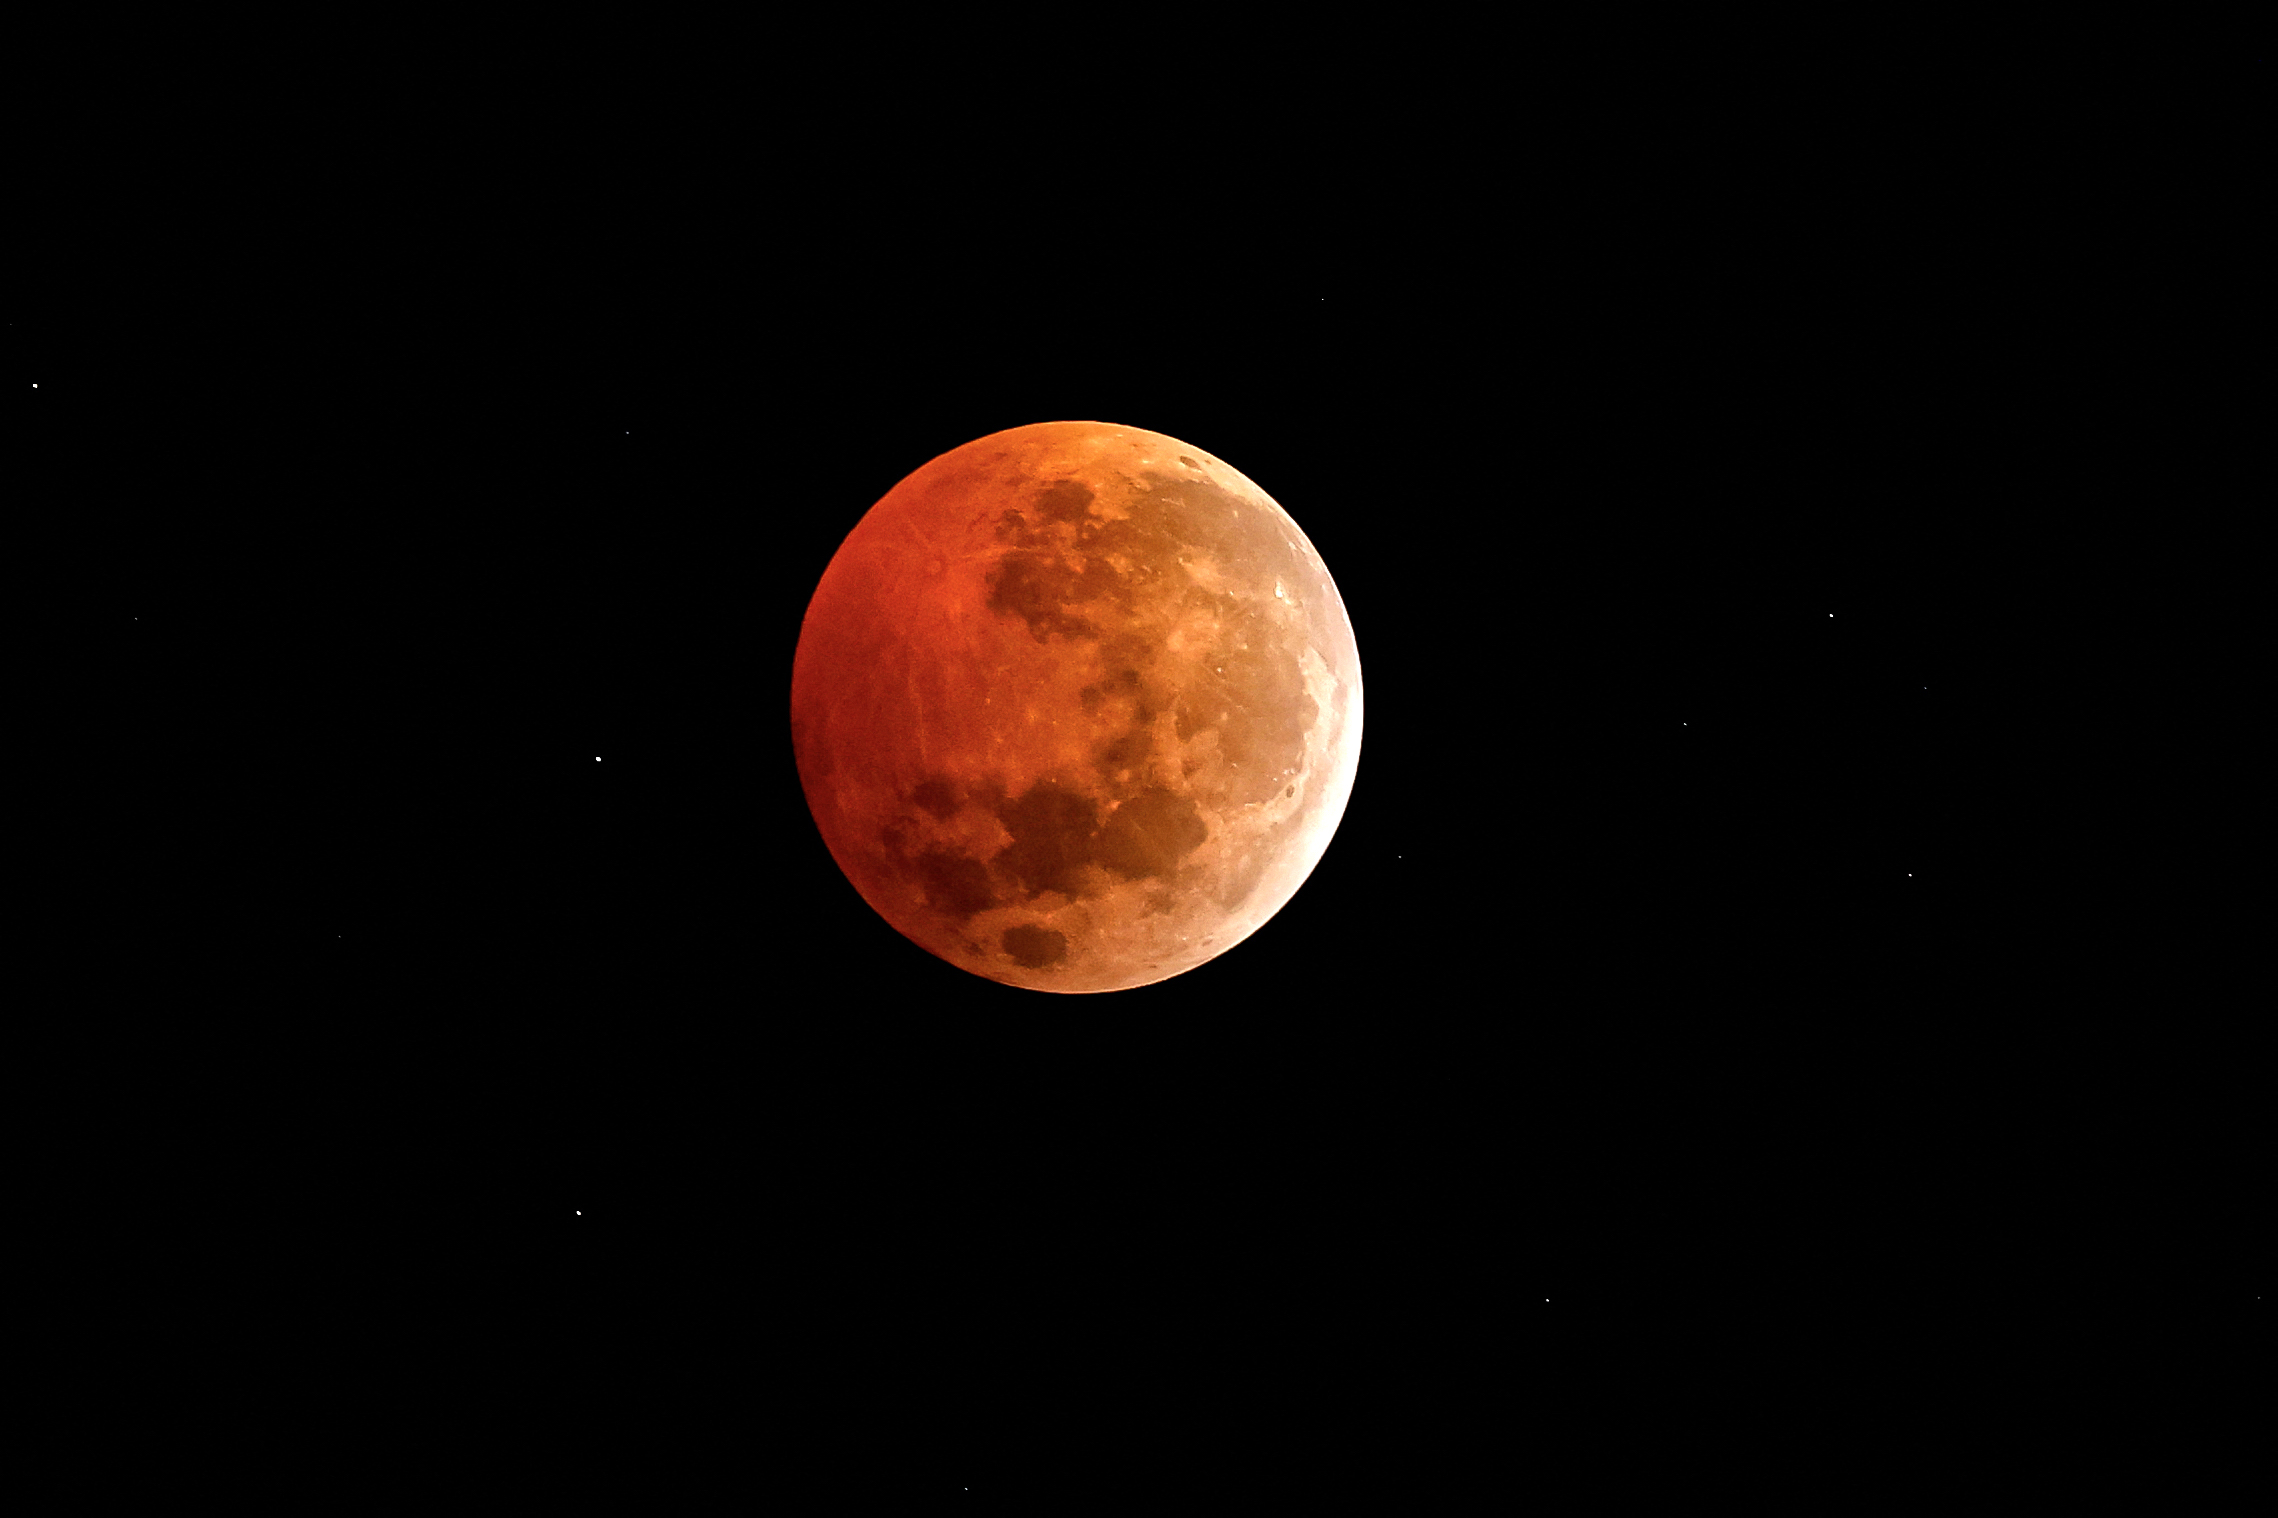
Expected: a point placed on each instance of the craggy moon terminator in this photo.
(1076, 707)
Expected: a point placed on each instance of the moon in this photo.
(1076, 707)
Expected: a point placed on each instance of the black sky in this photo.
(1712, 888)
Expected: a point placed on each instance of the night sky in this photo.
(1722, 911)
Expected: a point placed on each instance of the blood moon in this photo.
(1076, 707)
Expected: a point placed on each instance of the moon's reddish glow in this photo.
(1076, 707)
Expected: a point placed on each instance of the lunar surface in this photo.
(1076, 707)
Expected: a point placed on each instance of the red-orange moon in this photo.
(1076, 707)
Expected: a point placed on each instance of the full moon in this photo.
(1076, 707)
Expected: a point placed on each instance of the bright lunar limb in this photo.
(1076, 707)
